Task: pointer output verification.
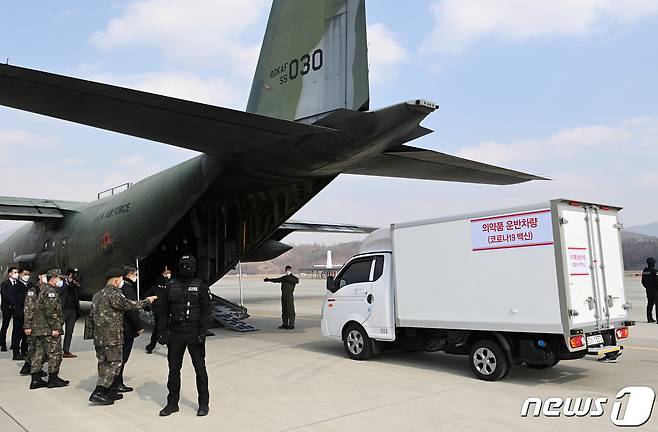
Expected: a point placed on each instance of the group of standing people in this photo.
(181, 306)
(38, 323)
(182, 311)
(41, 311)
(15, 291)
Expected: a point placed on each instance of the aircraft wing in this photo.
(181, 123)
(292, 225)
(413, 162)
(31, 209)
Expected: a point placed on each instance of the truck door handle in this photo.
(591, 302)
(370, 298)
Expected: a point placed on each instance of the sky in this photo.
(565, 89)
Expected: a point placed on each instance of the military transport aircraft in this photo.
(307, 121)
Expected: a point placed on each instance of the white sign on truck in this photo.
(533, 285)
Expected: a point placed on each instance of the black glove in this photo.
(266, 280)
(163, 338)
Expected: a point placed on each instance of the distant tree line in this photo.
(304, 256)
(636, 248)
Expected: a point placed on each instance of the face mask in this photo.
(59, 284)
(120, 284)
(288, 272)
(25, 278)
(167, 276)
(13, 276)
(44, 279)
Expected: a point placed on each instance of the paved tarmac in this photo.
(276, 380)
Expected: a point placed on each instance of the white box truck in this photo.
(533, 285)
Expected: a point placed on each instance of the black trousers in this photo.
(7, 314)
(18, 338)
(156, 333)
(288, 308)
(176, 349)
(70, 317)
(128, 342)
(651, 304)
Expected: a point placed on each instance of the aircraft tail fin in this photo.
(313, 60)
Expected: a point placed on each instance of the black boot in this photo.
(37, 382)
(98, 396)
(113, 393)
(202, 411)
(55, 381)
(168, 410)
(25, 370)
(122, 388)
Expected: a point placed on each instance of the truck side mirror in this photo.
(330, 283)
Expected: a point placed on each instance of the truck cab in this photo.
(361, 294)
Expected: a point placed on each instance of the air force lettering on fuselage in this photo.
(115, 211)
(295, 68)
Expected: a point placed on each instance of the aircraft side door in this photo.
(349, 300)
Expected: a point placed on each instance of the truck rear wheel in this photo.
(488, 360)
(357, 343)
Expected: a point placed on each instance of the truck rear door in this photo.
(608, 239)
(592, 247)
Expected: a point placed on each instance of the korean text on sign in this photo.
(578, 261)
(511, 231)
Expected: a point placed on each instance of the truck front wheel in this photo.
(488, 360)
(357, 343)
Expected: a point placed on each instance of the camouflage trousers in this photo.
(110, 359)
(31, 342)
(46, 349)
(30, 350)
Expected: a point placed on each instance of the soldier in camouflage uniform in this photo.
(46, 329)
(107, 308)
(30, 308)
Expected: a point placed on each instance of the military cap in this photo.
(53, 273)
(114, 272)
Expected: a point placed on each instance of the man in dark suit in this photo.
(132, 324)
(68, 294)
(18, 338)
(7, 304)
